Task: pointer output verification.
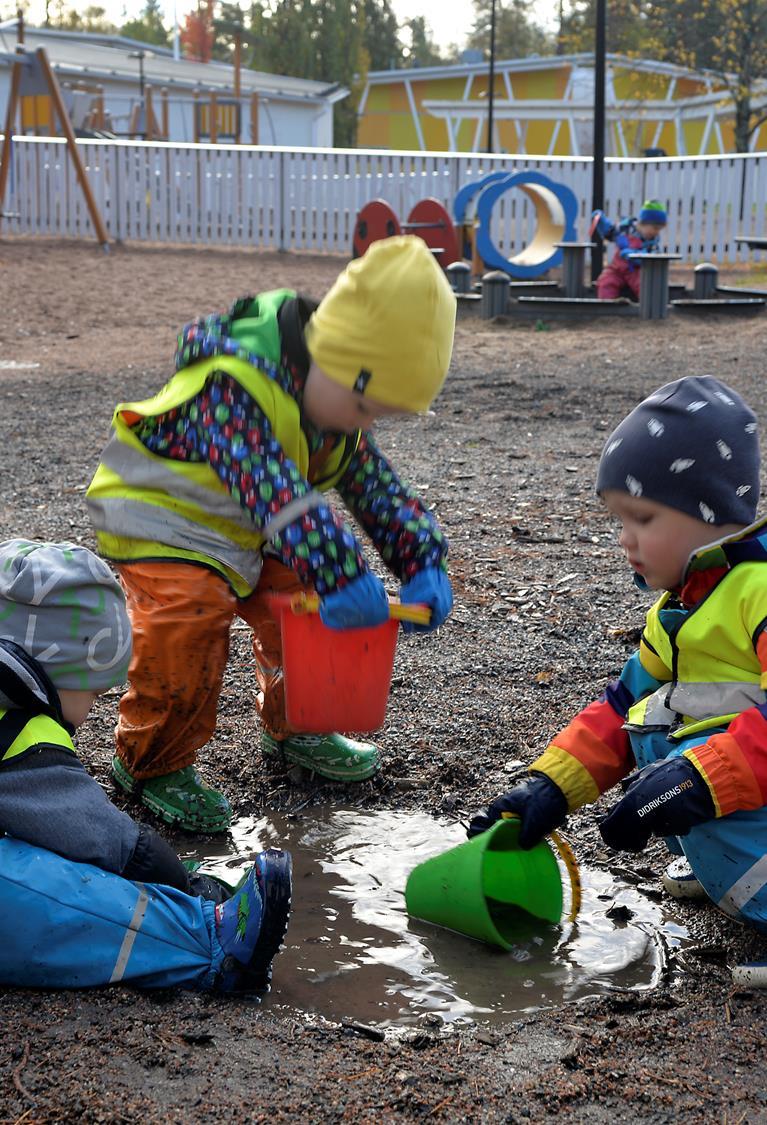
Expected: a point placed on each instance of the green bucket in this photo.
(480, 887)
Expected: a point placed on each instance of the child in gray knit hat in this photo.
(65, 638)
(689, 711)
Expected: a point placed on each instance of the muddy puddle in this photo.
(352, 952)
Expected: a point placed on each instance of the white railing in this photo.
(307, 199)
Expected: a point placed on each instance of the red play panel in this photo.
(375, 221)
(431, 222)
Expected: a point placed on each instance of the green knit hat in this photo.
(653, 211)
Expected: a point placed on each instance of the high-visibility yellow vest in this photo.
(708, 653)
(144, 506)
(20, 731)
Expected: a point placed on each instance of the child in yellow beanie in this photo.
(210, 497)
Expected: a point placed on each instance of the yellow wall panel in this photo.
(449, 89)
(693, 135)
(465, 136)
(374, 131)
(434, 131)
(689, 88)
(506, 135)
(540, 83)
(35, 113)
(400, 102)
(379, 99)
(538, 136)
(403, 134)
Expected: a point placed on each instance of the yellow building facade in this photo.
(544, 106)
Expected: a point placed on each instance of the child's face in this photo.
(329, 406)
(649, 230)
(75, 705)
(657, 540)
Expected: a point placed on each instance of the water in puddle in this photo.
(352, 952)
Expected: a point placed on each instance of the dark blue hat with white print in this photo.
(692, 445)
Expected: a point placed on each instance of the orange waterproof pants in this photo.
(181, 615)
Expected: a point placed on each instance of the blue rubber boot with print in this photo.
(251, 925)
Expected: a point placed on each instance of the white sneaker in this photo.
(752, 974)
(680, 882)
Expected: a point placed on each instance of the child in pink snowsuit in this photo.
(631, 236)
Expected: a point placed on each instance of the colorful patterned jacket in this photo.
(701, 665)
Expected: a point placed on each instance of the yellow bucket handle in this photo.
(418, 614)
(571, 866)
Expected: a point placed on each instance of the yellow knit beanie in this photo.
(386, 327)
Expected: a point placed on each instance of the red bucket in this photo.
(335, 679)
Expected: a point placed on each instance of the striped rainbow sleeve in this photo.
(593, 752)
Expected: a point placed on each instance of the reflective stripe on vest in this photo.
(20, 731)
(716, 671)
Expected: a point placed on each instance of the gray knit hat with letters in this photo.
(63, 605)
(692, 445)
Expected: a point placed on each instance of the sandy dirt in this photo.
(545, 613)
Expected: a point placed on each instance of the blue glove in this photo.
(536, 799)
(430, 587)
(664, 799)
(627, 251)
(600, 225)
(358, 605)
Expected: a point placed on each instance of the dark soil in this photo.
(545, 613)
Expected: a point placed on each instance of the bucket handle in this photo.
(418, 614)
(567, 856)
(571, 865)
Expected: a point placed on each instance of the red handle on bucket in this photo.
(418, 614)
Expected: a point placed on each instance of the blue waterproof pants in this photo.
(728, 855)
(71, 925)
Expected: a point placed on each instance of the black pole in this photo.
(598, 167)
(491, 90)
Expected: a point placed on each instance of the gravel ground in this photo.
(545, 613)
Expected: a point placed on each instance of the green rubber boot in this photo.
(180, 798)
(330, 755)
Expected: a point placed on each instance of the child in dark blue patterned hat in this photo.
(689, 711)
(640, 235)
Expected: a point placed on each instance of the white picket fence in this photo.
(307, 199)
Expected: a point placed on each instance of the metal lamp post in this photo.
(491, 90)
(141, 55)
(598, 166)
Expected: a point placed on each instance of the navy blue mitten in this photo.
(664, 799)
(536, 800)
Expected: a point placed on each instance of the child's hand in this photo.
(359, 604)
(430, 587)
(536, 799)
(664, 799)
(600, 225)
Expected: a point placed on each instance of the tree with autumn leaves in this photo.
(726, 38)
